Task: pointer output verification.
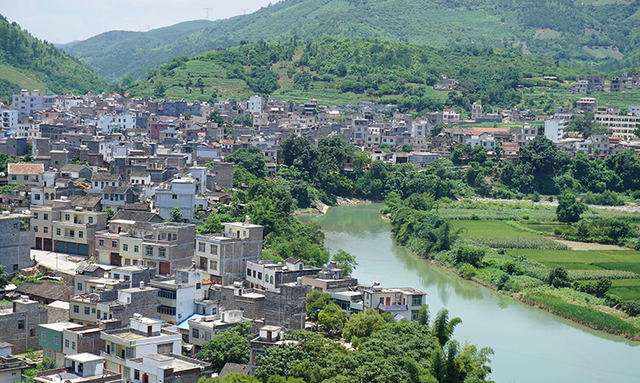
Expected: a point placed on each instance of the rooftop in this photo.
(25, 168)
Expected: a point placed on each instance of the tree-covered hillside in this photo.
(339, 71)
(26, 62)
(600, 32)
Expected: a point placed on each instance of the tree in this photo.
(423, 315)
(362, 325)
(498, 151)
(558, 277)
(211, 225)
(443, 327)
(186, 116)
(46, 364)
(584, 124)
(251, 159)
(569, 208)
(345, 261)
(159, 90)
(110, 213)
(175, 215)
(4, 277)
(316, 301)
(215, 117)
(230, 346)
(332, 318)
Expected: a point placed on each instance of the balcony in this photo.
(112, 357)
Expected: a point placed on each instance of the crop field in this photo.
(624, 260)
(626, 288)
(491, 229)
(546, 227)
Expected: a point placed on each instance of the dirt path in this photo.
(588, 246)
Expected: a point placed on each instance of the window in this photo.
(35, 229)
(207, 336)
(76, 309)
(45, 230)
(116, 276)
(87, 311)
(90, 219)
(213, 265)
(125, 247)
(248, 272)
(35, 215)
(114, 244)
(414, 314)
(72, 233)
(73, 345)
(14, 178)
(136, 374)
(15, 267)
(45, 216)
(271, 279)
(67, 217)
(66, 342)
(79, 286)
(149, 250)
(174, 196)
(136, 249)
(81, 234)
(259, 275)
(33, 331)
(198, 286)
(127, 278)
(166, 293)
(48, 353)
(195, 333)
(201, 247)
(56, 339)
(166, 310)
(213, 249)
(127, 262)
(162, 252)
(416, 300)
(101, 242)
(43, 336)
(21, 324)
(26, 178)
(93, 310)
(58, 231)
(37, 197)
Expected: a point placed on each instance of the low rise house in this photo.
(178, 295)
(51, 340)
(11, 368)
(268, 336)
(80, 368)
(16, 240)
(203, 329)
(166, 368)
(26, 174)
(19, 324)
(75, 232)
(144, 336)
(401, 302)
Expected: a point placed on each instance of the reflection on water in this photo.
(530, 345)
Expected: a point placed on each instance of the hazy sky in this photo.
(62, 21)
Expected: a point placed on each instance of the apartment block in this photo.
(16, 240)
(178, 295)
(51, 340)
(75, 232)
(402, 302)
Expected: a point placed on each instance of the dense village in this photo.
(104, 194)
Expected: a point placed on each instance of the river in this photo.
(530, 345)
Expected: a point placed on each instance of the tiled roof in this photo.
(26, 168)
(138, 216)
(115, 189)
(102, 176)
(72, 168)
(47, 290)
(478, 131)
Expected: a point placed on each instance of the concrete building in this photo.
(8, 118)
(144, 336)
(235, 297)
(85, 368)
(143, 300)
(203, 329)
(42, 222)
(221, 175)
(619, 126)
(19, 324)
(402, 302)
(100, 180)
(27, 103)
(75, 232)
(476, 111)
(554, 130)
(223, 256)
(586, 104)
(267, 275)
(11, 368)
(166, 368)
(51, 340)
(78, 340)
(16, 240)
(179, 192)
(420, 160)
(178, 295)
(286, 305)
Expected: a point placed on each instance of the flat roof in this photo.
(60, 326)
(84, 357)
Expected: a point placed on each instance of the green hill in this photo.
(600, 32)
(26, 62)
(340, 71)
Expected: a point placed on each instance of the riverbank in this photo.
(322, 208)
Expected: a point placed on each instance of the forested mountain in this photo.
(594, 32)
(115, 54)
(339, 71)
(26, 62)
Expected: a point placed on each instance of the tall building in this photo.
(28, 103)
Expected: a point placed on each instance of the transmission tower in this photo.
(208, 9)
(245, 10)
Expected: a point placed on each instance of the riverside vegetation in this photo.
(511, 245)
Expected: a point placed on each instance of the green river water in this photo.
(530, 345)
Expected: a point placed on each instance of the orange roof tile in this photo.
(510, 146)
(26, 168)
(476, 131)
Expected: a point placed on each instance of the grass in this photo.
(627, 289)
(491, 229)
(24, 81)
(546, 228)
(581, 314)
(624, 260)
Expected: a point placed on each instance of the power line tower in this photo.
(208, 9)
(245, 10)
(148, 27)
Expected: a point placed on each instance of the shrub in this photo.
(474, 217)
(558, 277)
(467, 271)
(525, 217)
(536, 197)
(632, 308)
(469, 254)
(502, 281)
(557, 230)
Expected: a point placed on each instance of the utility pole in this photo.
(208, 9)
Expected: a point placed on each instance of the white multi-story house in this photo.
(108, 123)
(28, 103)
(255, 104)
(143, 336)
(8, 118)
(178, 295)
(179, 192)
(554, 130)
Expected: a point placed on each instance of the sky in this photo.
(63, 21)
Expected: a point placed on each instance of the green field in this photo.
(626, 288)
(545, 227)
(625, 260)
(491, 229)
